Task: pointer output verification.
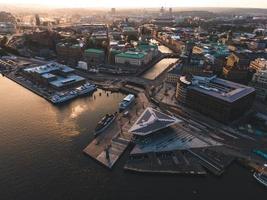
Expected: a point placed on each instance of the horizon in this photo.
(105, 4)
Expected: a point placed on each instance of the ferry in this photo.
(126, 102)
(82, 90)
(86, 89)
(104, 123)
(61, 98)
(261, 177)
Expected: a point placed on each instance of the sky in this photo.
(143, 3)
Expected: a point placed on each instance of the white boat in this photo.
(56, 99)
(82, 90)
(126, 102)
(86, 89)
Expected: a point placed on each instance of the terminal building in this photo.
(220, 99)
(152, 121)
(54, 75)
(155, 131)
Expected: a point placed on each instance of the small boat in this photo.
(104, 123)
(261, 177)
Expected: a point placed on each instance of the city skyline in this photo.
(140, 4)
(136, 100)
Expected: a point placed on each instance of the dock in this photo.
(109, 146)
(175, 162)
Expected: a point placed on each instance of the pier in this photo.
(109, 146)
(175, 162)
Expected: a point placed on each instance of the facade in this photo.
(236, 68)
(174, 75)
(82, 65)
(112, 53)
(258, 64)
(193, 64)
(220, 99)
(129, 31)
(131, 58)
(151, 49)
(7, 28)
(69, 54)
(238, 64)
(259, 82)
(94, 56)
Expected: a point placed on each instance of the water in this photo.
(41, 157)
(158, 68)
(162, 48)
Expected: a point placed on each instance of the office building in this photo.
(217, 98)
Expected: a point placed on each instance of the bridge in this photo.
(171, 55)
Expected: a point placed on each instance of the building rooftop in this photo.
(63, 81)
(151, 121)
(48, 68)
(97, 51)
(131, 54)
(219, 88)
(48, 75)
(146, 47)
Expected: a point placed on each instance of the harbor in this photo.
(109, 146)
(57, 97)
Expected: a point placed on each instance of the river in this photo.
(41, 156)
(159, 67)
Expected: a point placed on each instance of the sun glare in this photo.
(142, 3)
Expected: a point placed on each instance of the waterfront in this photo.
(162, 48)
(41, 156)
(158, 68)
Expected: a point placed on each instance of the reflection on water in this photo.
(165, 49)
(77, 110)
(158, 68)
(162, 48)
(41, 156)
(26, 115)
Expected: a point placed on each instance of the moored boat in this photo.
(104, 123)
(126, 102)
